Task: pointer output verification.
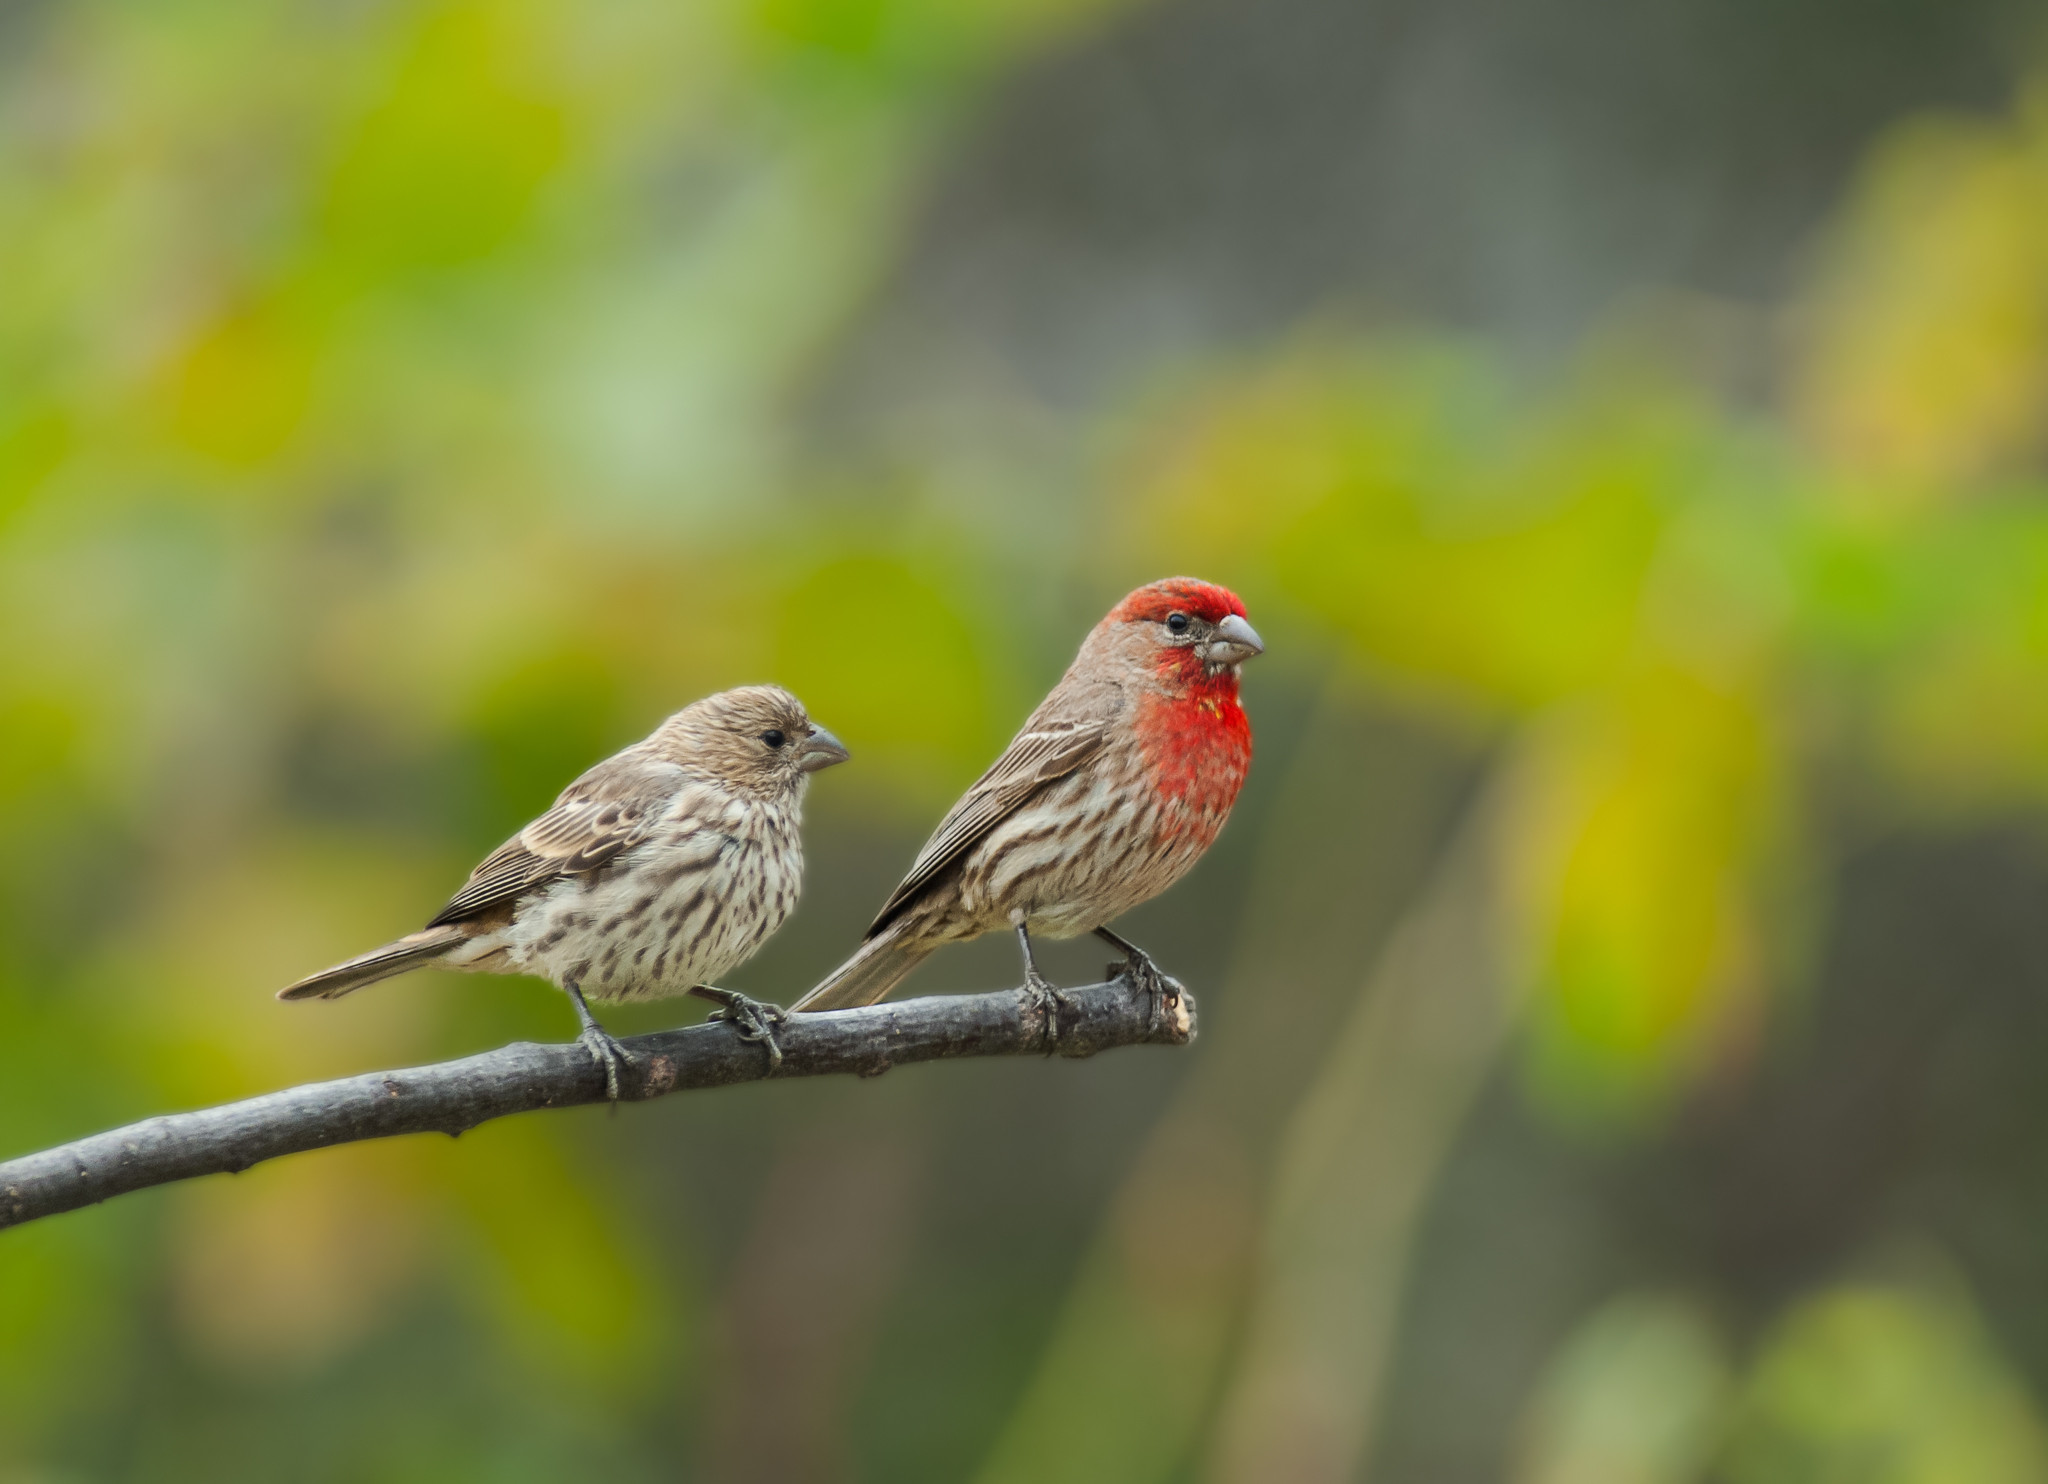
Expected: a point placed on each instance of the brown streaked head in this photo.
(757, 738)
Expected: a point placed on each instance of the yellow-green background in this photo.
(1624, 984)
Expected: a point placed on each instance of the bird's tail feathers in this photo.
(877, 968)
(408, 952)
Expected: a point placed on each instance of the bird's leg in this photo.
(1143, 975)
(755, 1020)
(599, 1042)
(1050, 1001)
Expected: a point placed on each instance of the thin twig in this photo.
(450, 1097)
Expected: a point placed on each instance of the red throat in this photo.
(1197, 741)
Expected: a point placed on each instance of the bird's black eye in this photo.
(773, 737)
(1176, 623)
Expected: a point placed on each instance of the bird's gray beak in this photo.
(1234, 642)
(821, 750)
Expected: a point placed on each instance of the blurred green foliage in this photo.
(396, 415)
(1881, 1382)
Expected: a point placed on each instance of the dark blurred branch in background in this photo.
(450, 1097)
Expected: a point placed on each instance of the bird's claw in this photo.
(1049, 1002)
(606, 1051)
(754, 1020)
(1147, 978)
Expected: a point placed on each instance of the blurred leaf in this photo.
(555, 1267)
(1636, 843)
(1465, 549)
(1926, 357)
(240, 390)
(283, 1269)
(1635, 1395)
(67, 1331)
(1885, 1384)
(467, 123)
(896, 666)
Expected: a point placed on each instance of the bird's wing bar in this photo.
(1032, 760)
(606, 811)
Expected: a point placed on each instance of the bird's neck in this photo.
(1198, 741)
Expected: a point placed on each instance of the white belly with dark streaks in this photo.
(683, 908)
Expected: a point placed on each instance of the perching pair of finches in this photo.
(669, 864)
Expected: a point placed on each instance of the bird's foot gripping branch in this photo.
(450, 1097)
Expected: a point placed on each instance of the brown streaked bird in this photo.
(1114, 787)
(657, 871)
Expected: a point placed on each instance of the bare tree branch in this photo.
(450, 1097)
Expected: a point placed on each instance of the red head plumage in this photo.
(1155, 600)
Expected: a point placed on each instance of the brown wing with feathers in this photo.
(607, 811)
(1032, 760)
(1046, 750)
(601, 815)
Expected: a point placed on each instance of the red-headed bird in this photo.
(1114, 787)
(662, 867)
